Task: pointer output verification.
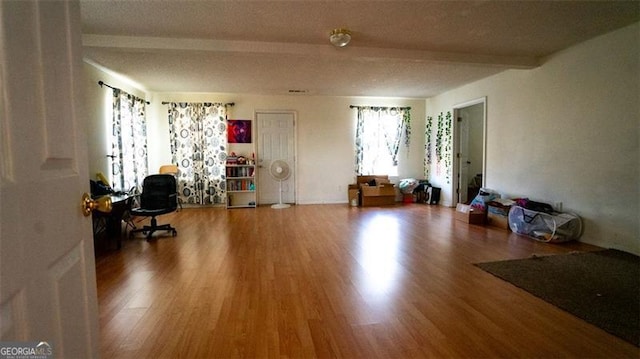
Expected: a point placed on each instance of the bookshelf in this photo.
(241, 185)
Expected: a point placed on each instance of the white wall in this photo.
(98, 110)
(325, 132)
(568, 132)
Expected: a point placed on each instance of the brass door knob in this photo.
(102, 204)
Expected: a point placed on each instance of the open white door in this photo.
(47, 270)
(470, 143)
(463, 156)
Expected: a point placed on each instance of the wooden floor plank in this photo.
(331, 281)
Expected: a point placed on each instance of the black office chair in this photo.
(159, 196)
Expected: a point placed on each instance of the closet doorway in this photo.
(275, 141)
(470, 145)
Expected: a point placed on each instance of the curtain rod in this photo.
(229, 104)
(101, 83)
(398, 107)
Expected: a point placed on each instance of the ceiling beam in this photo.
(349, 52)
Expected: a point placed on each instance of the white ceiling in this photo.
(413, 49)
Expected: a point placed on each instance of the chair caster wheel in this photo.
(174, 233)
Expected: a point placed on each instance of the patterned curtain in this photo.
(199, 147)
(128, 141)
(379, 132)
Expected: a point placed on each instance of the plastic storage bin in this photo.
(545, 227)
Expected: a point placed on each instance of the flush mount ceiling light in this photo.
(340, 37)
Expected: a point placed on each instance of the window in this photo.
(379, 131)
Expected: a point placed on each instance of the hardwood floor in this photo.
(324, 281)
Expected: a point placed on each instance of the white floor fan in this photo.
(280, 171)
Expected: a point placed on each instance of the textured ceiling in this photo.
(399, 48)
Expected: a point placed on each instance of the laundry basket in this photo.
(556, 227)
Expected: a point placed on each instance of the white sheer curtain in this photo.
(129, 164)
(379, 132)
(198, 134)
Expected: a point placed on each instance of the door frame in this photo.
(456, 144)
(295, 149)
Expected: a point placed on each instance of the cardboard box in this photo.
(498, 215)
(466, 214)
(497, 220)
(498, 208)
(385, 189)
(378, 201)
(376, 190)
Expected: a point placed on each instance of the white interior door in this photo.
(276, 141)
(470, 143)
(463, 157)
(47, 270)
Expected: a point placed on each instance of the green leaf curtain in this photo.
(428, 148)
